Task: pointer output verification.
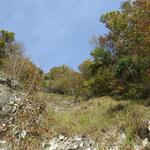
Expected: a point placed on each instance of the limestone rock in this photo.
(70, 143)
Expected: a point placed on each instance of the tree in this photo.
(14, 63)
(63, 80)
(6, 44)
(129, 28)
(120, 63)
(101, 58)
(86, 69)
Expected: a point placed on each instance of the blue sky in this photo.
(55, 32)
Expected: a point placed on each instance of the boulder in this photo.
(5, 94)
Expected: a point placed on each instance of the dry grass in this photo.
(90, 118)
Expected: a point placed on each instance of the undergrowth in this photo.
(91, 118)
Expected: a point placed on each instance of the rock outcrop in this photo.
(19, 116)
(70, 143)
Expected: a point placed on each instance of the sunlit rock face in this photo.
(8, 96)
(5, 94)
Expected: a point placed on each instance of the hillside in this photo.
(52, 121)
(104, 104)
(112, 124)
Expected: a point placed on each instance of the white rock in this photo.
(123, 136)
(91, 142)
(81, 144)
(3, 124)
(11, 102)
(2, 142)
(145, 142)
(138, 147)
(61, 137)
(3, 145)
(23, 134)
(52, 145)
(18, 99)
(149, 125)
(75, 146)
(64, 143)
(14, 109)
(88, 149)
(78, 138)
(114, 148)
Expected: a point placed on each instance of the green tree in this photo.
(6, 44)
(129, 28)
(124, 51)
(101, 58)
(63, 80)
(86, 69)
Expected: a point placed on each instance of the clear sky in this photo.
(55, 32)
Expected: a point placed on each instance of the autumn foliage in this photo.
(119, 65)
(121, 61)
(15, 64)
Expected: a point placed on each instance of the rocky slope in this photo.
(21, 118)
(17, 113)
(70, 143)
